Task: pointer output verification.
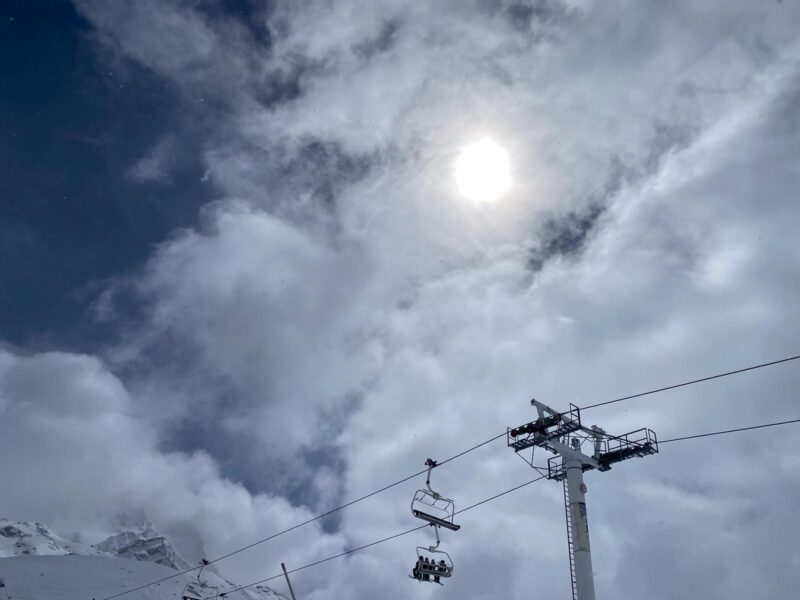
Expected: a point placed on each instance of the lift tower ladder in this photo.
(570, 544)
(563, 435)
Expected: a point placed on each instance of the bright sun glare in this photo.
(482, 171)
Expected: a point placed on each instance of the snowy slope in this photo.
(85, 577)
(37, 564)
(20, 538)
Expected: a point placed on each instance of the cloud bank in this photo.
(342, 314)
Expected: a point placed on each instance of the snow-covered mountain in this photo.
(37, 564)
(86, 577)
(20, 538)
(147, 545)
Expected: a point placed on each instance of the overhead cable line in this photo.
(386, 539)
(307, 521)
(412, 476)
(700, 435)
(685, 383)
(514, 489)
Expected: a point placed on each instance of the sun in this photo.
(483, 172)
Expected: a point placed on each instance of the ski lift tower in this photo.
(563, 435)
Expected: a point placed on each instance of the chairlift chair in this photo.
(200, 590)
(433, 568)
(429, 505)
(191, 591)
(432, 507)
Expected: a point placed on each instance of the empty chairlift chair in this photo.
(432, 507)
(200, 590)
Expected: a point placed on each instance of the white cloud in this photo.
(341, 315)
(70, 432)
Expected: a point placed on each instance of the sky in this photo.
(239, 285)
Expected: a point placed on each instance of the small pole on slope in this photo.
(289, 583)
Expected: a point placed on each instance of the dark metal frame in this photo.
(634, 444)
(533, 433)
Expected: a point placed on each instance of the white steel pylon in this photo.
(563, 435)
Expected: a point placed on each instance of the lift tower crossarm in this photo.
(571, 454)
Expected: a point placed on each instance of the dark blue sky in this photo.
(72, 124)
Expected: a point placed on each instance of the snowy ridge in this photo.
(37, 564)
(86, 577)
(147, 545)
(20, 538)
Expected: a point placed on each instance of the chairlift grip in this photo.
(430, 463)
(436, 530)
(203, 563)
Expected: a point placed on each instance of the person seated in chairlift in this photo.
(426, 566)
(443, 566)
(435, 570)
(416, 571)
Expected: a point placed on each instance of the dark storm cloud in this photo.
(250, 15)
(524, 14)
(564, 236)
(282, 84)
(326, 169)
(382, 42)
